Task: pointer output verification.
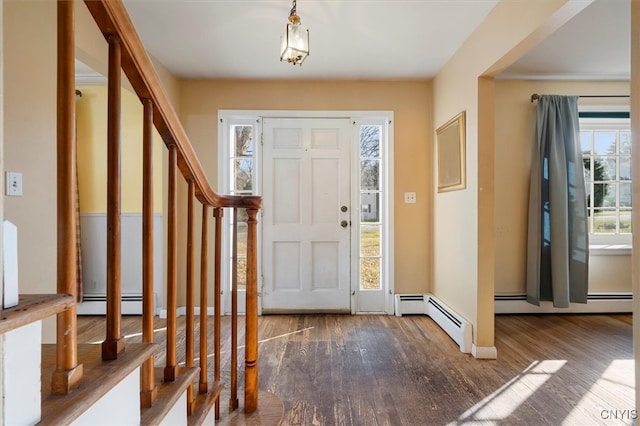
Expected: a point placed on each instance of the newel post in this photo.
(251, 320)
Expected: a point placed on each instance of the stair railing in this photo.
(127, 53)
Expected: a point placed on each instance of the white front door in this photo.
(306, 215)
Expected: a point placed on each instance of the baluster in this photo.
(149, 391)
(251, 317)
(203, 386)
(189, 328)
(113, 343)
(68, 372)
(171, 368)
(233, 399)
(217, 305)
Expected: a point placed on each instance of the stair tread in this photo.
(33, 307)
(204, 402)
(98, 378)
(168, 394)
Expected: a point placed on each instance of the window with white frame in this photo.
(241, 181)
(605, 139)
(371, 230)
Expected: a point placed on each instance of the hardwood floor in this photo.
(381, 370)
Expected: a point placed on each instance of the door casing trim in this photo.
(254, 117)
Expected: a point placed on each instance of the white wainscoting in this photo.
(93, 235)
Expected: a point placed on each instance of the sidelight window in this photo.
(371, 229)
(242, 181)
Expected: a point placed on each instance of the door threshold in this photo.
(305, 311)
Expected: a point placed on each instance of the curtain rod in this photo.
(535, 96)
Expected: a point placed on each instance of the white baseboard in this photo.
(597, 303)
(182, 310)
(484, 352)
(100, 308)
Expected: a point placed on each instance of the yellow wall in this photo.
(29, 56)
(29, 33)
(91, 119)
(515, 139)
(463, 244)
(410, 101)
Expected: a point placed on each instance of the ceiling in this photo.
(349, 39)
(366, 39)
(595, 45)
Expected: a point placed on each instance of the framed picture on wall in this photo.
(450, 146)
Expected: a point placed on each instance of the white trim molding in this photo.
(182, 311)
(227, 118)
(484, 352)
(617, 302)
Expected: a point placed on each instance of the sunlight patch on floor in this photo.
(617, 378)
(505, 400)
(129, 336)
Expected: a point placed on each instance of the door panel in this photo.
(306, 251)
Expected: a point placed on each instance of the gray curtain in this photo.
(558, 239)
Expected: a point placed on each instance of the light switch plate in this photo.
(13, 184)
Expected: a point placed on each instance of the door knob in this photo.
(344, 223)
(343, 209)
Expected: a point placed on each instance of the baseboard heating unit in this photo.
(601, 303)
(96, 304)
(458, 328)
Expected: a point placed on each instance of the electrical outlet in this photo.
(410, 197)
(13, 184)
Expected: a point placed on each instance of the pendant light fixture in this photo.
(295, 42)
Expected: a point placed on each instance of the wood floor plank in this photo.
(385, 370)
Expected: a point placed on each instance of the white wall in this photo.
(125, 396)
(21, 358)
(29, 31)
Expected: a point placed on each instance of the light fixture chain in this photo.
(293, 9)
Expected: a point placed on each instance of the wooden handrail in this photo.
(112, 18)
(127, 53)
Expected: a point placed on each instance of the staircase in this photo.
(114, 383)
